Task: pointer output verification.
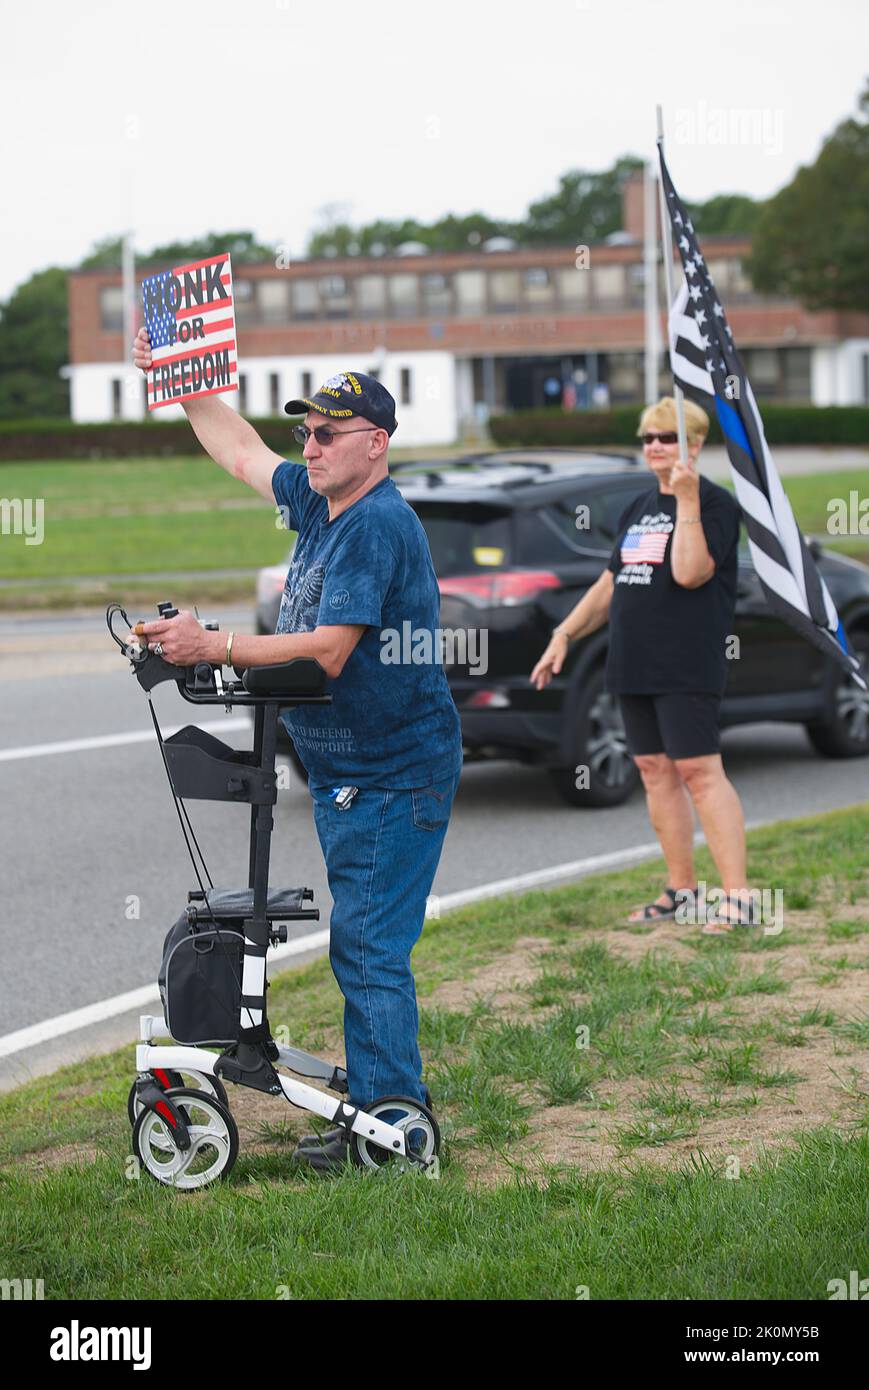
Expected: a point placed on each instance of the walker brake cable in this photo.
(137, 654)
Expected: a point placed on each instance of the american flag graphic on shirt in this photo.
(190, 317)
(644, 547)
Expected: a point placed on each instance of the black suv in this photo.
(516, 538)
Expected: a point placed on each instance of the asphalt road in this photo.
(88, 836)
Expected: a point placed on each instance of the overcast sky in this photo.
(185, 117)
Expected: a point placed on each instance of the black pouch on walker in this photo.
(200, 983)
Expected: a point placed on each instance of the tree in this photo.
(727, 214)
(34, 331)
(586, 208)
(383, 238)
(242, 246)
(811, 239)
(106, 255)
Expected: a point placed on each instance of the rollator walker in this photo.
(213, 978)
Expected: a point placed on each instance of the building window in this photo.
(403, 295)
(636, 285)
(573, 286)
(306, 301)
(370, 295)
(242, 392)
(117, 393)
(274, 392)
(245, 304)
(609, 284)
(273, 300)
(307, 383)
(470, 288)
(625, 376)
(111, 309)
(504, 290)
(437, 295)
(720, 272)
(740, 282)
(762, 367)
(797, 365)
(335, 296)
(537, 285)
(405, 387)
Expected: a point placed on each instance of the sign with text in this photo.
(190, 318)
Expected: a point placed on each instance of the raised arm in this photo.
(222, 432)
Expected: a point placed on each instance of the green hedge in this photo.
(783, 424)
(60, 439)
(23, 440)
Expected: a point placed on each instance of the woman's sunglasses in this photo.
(323, 434)
(668, 437)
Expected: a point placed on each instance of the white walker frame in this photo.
(177, 1057)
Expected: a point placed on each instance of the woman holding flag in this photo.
(669, 593)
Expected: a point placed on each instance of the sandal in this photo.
(659, 912)
(722, 926)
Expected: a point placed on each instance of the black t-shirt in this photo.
(664, 637)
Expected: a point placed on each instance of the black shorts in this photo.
(682, 725)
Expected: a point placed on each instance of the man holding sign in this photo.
(384, 759)
(190, 320)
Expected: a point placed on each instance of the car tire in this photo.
(600, 748)
(845, 734)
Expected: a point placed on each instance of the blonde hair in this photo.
(663, 417)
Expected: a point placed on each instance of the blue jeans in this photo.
(381, 855)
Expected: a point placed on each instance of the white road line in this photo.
(85, 745)
(124, 1003)
(149, 994)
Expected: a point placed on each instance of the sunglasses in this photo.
(323, 435)
(668, 437)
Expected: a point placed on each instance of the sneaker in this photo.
(316, 1141)
(331, 1157)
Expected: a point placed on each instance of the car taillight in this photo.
(269, 585)
(505, 587)
(487, 699)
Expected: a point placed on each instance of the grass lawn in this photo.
(809, 494)
(154, 515)
(709, 1141)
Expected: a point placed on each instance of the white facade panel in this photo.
(840, 373)
(423, 384)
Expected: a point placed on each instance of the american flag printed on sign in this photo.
(189, 313)
(644, 547)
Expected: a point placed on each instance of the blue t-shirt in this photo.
(392, 721)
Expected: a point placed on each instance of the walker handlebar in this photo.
(301, 681)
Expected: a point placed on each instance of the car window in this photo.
(609, 506)
(591, 523)
(464, 538)
(544, 538)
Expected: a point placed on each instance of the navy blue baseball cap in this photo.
(350, 393)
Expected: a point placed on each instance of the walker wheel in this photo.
(194, 1080)
(422, 1136)
(213, 1147)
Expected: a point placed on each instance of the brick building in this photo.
(455, 336)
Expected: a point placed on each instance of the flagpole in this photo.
(650, 291)
(667, 248)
